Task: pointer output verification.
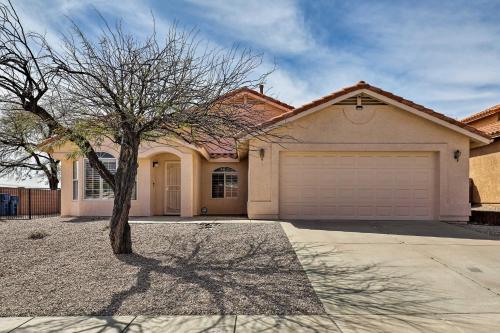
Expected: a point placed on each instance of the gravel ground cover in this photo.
(491, 230)
(61, 267)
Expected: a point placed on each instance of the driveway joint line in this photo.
(336, 325)
(235, 321)
(15, 328)
(126, 327)
(465, 276)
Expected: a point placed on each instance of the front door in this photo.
(172, 188)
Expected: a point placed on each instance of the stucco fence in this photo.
(31, 202)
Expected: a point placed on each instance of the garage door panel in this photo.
(364, 185)
(346, 162)
(422, 194)
(366, 211)
(422, 211)
(366, 176)
(345, 211)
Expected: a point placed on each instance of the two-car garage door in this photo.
(357, 185)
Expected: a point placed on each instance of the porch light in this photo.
(456, 154)
(262, 152)
(155, 164)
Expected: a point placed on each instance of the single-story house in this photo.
(358, 153)
(485, 160)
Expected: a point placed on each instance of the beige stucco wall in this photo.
(376, 128)
(149, 198)
(222, 206)
(485, 174)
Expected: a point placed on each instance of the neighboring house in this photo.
(485, 160)
(358, 153)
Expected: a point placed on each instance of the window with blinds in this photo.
(95, 186)
(224, 183)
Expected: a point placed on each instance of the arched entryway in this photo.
(169, 180)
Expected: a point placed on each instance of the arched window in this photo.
(224, 183)
(95, 187)
(102, 154)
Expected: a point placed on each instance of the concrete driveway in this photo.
(401, 276)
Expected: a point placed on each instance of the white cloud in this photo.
(275, 25)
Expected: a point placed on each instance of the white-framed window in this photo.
(95, 186)
(225, 183)
(75, 180)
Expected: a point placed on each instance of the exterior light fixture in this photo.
(155, 164)
(262, 152)
(359, 106)
(456, 154)
(204, 211)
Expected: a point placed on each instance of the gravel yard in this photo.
(491, 230)
(55, 267)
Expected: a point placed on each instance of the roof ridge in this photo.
(482, 114)
(256, 93)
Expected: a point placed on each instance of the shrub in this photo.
(38, 235)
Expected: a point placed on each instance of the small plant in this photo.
(38, 235)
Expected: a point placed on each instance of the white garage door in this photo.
(357, 185)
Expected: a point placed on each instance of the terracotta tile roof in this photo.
(491, 129)
(258, 94)
(363, 85)
(225, 148)
(485, 113)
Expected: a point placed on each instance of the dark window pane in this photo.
(217, 185)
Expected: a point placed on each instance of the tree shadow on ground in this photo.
(357, 298)
(344, 289)
(226, 278)
(74, 324)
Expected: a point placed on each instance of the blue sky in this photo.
(442, 54)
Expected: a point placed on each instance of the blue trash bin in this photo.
(14, 201)
(4, 208)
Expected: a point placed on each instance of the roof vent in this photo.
(261, 88)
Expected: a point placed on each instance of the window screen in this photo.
(224, 183)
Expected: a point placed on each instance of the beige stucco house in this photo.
(485, 160)
(358, 153)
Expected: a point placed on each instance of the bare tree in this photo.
(129, 90)
(20, 134)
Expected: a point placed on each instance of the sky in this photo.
(442, 54)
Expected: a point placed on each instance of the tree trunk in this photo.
(120, 234)
(53, 181)
(53, 176)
